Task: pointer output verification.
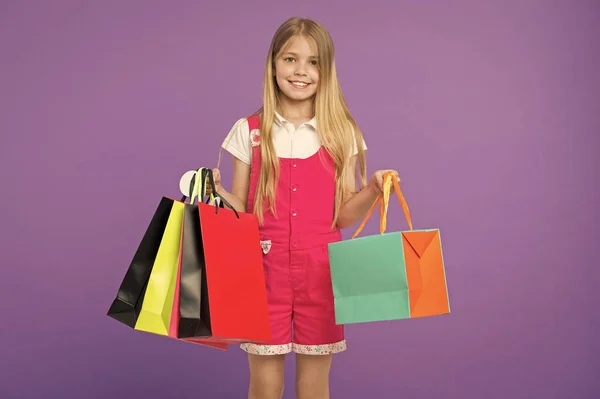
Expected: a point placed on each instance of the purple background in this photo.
(490, 111)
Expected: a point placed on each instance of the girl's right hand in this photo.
(217, 179)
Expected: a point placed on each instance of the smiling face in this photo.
(297, 71)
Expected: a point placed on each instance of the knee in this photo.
(266, 386)
(312, 378)
(309, 387)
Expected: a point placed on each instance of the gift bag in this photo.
(127, 305)
(389, 276)
(155, 314)
(190, 310)
(190, 316)
(157, 311)
(175, 316)
(237, 295)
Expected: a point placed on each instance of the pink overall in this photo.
(295, 256)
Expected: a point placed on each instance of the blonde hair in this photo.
(337, 128)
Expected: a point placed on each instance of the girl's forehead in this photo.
(301, 45)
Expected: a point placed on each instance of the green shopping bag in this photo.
(388, 276)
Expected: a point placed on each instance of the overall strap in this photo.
(253, 122)
(254, 130)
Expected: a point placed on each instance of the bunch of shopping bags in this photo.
(388, 276)
(197, 274)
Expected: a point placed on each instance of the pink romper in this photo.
(295, 256)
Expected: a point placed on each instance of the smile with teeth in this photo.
(299, 85)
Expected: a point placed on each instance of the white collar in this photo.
(280, 119)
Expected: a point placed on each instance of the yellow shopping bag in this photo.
(155, 314)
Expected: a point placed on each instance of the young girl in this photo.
(294, 166)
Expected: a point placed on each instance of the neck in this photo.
(291, 109)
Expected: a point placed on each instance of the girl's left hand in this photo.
(376, 182)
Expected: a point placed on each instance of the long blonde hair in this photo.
(337, 128)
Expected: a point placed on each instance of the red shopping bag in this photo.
(235, 274)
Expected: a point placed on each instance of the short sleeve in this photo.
(237, 142)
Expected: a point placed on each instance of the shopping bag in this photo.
(156, 248)
(190, 316)
(192, 313)
(155, 314)
(176, 312)
(127, 305)
(235, 272)
(175, 317)
(157, 307)
(389, 276)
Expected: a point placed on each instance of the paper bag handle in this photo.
(193, 187)
(221, 201)
(197, 188)
(389, 180)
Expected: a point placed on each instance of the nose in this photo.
(300, 69)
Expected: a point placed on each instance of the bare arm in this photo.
(239, 186)
(358, 204)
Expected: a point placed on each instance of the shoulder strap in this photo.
(253, 122)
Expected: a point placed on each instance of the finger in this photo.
(215, 176)
(394, 172)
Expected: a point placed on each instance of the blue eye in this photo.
(289, 59)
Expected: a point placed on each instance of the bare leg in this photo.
(266, 376)
(312, 376)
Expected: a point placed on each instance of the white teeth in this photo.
(299, 84)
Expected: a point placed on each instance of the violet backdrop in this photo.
(489, 110)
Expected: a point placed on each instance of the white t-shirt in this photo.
(288, 141)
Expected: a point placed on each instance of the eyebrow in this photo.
(296, 55)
